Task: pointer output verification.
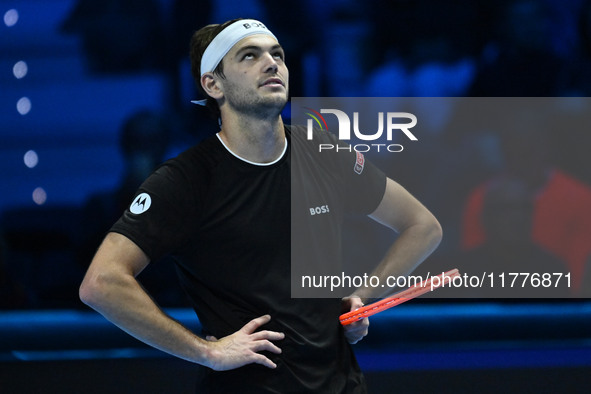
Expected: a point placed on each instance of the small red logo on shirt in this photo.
(359, 163)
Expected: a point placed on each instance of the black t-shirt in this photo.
(227, 222)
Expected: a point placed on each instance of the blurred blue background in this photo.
(93, 94)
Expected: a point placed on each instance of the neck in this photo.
(252, 138)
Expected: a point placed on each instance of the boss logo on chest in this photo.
(319, 210)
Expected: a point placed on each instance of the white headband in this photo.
(225, 40)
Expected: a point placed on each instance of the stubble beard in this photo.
(254, 104)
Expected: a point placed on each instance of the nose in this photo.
(269, 63)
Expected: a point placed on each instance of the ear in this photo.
(210, 83)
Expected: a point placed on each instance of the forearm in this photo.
(110, 287)
(122, 300)
(410, 249)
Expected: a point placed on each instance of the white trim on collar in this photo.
(252, 162)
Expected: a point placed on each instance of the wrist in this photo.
(206, 353)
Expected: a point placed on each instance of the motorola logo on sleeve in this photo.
(140, 204)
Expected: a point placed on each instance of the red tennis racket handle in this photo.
(398, 298)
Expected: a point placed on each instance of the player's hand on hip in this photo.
(243, 347)
(355, 332)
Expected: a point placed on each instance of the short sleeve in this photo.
(157, 218)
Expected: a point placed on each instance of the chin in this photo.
(276, 101)
(263, 105)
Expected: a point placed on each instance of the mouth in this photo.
(273, 82)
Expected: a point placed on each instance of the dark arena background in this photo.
(95, 93)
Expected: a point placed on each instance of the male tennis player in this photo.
(222, 208)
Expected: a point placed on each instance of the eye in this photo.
(248, 56)
(278, 55)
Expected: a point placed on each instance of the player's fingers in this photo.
(353, 337)
(361, 323)
(265, 345)
(351, 303)
(252, 325)
(360, 327)
(265, 334)
(355, 302)
(357, 331)
(260, 359)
